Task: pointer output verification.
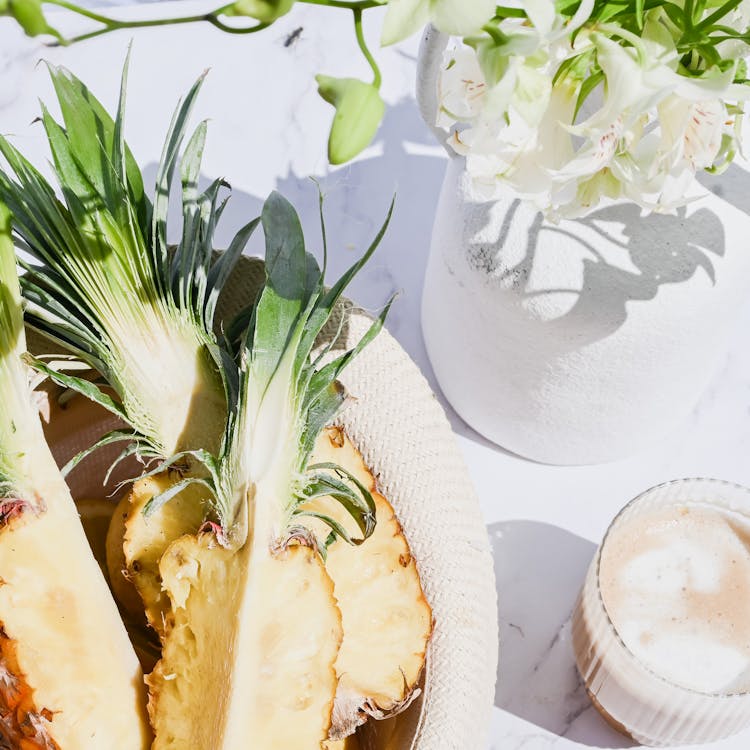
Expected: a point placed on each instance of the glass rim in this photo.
(638, 498)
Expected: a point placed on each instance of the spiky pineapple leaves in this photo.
(11, 320)
(100, 256)
(293, 309)
(276, 375)
(11, 330)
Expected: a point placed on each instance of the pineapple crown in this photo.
(100, 268)
(10, 330)
(285, 389)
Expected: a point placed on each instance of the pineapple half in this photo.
(376, 587)
(69, 677)
(253, 612)
(105, 286)
(378, 590)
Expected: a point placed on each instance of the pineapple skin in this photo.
(387, 620)
(82, 690)
(249, 649)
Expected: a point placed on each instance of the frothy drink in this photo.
(676, 585)
(662, 627)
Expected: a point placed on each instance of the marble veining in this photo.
(268, 130)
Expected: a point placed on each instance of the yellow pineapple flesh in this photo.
(387, 620)
(349, 743)
(249, 648)
(136, 544)
(79, 690)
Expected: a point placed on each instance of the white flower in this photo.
(692, 130)
(459, 17)
(645, 130)
(462, 88)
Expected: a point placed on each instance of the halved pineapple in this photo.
(387, 620)
(249, 648)
(61, 683)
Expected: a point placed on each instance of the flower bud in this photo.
(265, 11)
(29, 15)
(359, 110)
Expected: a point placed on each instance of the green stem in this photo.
(115, 24)
(497, 36)
(377, 79)
(689, 15)
(717, 15)
(111, 24)
(214, 21)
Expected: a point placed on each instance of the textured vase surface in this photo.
(583, 341)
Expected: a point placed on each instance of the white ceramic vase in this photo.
(585, 341)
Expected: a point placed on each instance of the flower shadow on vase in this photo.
(540, 569)
(614, 256)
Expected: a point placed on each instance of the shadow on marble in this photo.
(539, 570)
(357, 197)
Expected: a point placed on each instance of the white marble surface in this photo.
(267, 131)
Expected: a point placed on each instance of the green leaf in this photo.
(92, 134)
(587, 87)
(165, 174)
(333, 524)
(115, 436)
(358, 504)
(332, 371)
(139, 448)
(158, 501)
(319, 413)
(11, 319)
(323, 310)
(639, 9)
(223, 267)
(359, 111)
(282, 299)
(85, 387)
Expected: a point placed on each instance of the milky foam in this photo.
(676, 585)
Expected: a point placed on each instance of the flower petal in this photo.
(404, 18)
(461, 17)
(541, 13)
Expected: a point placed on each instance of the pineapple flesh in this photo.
(249, 648)
(69, 676)
(136, 544)
(387, 620)
(85, 688)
